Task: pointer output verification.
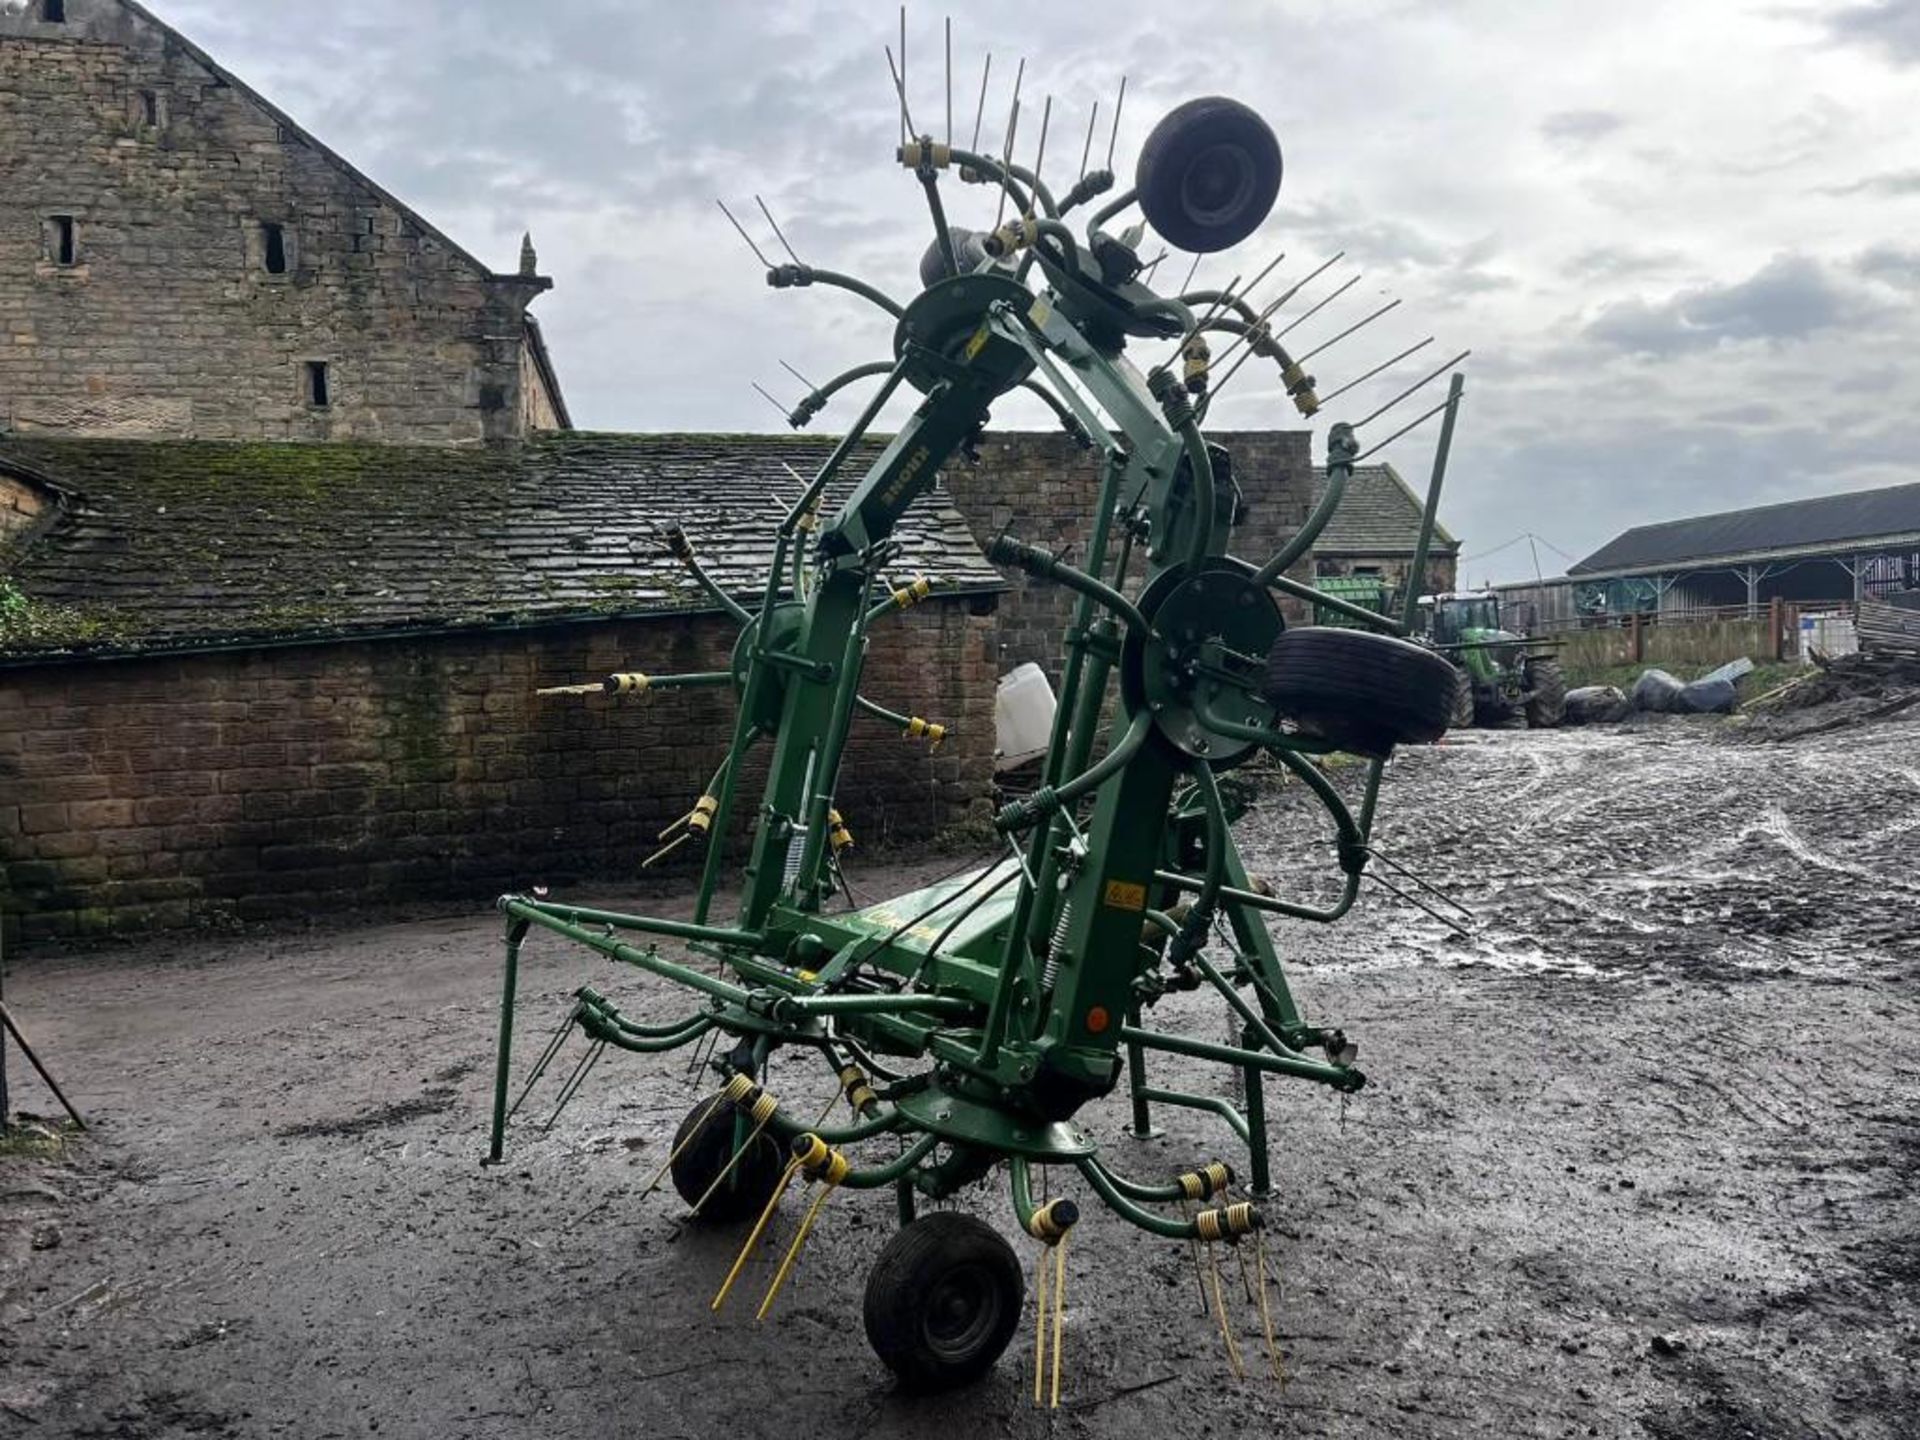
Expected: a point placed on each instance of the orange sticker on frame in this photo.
(1122, 896)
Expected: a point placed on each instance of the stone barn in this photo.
(179, 258)
(262, 680)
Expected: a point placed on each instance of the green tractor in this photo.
(1500, 673)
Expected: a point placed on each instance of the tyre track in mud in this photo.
(1637, 1159)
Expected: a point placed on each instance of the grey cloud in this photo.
(1891, 27)
(1611, 262)
(1574, 128)
(1892, 264)
(1789, 299)
(1890, 183)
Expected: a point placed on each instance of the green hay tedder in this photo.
(968, 1025)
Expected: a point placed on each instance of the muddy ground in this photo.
(1639, 1158)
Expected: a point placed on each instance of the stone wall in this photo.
(166, 319)
(1041, 489)
(273, 783)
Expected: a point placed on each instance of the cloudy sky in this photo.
(1678, 235)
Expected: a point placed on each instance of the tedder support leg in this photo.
(1137, 1082)
(516, 932)
(1260, 1181)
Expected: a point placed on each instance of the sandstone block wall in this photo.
(274, 783)
(165, 319)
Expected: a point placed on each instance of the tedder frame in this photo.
(973, 1020)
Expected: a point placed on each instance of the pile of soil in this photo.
(1845, 691)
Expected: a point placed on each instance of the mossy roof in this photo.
(168, 544)
(1378, 515)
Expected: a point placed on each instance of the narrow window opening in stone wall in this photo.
(319, 385)
(63, 246)
(54, 12)
(273, 247)
(149, 109)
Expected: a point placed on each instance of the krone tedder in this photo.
(968, 1024)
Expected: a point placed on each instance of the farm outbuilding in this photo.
(1828, 549)
(261, 680)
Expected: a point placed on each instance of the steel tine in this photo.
(1086, 150)
(1403, 430)
(980, 110)
(1416, 878)
(1421, 905)
(546, 1058)
(1350, 330)
(572, 1087)
(1039, 159)
(743, 233)
(1321, 306)
(1427, 379)
(779, 234)
(1118, 105)
(1383, 365)
(785, 413)
(900, 89)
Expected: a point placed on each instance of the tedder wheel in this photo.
(1208, 174)
(1462, 701)
(1547, 683)
(1364, 692)
(743, 1194)
(943, 1300)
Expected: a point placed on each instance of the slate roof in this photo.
(1794, 528)
(166, 545)
(1378, 515)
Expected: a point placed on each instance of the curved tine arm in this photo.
(894, 1169)
(1112, 208)
(1341, 449)
(990, 167)
(1006, 550)
(1216, 297)
(726, 602)
(786, 277)
(1068, 420)
(817, 401)
(1104, 1186)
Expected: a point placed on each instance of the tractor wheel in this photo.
(744, 1192)
(1208, 174)
(1364, 692)
(1547, 683)
(1462, 701)
(943, 1301)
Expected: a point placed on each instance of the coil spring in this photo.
(1055, 948)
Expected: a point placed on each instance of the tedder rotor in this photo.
(969, 1024)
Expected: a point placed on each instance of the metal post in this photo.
(1260, 1181)
(516, 932)
(1753, 591)
(1137, 1082)
(6, 1110)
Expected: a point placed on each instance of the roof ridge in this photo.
(228, 77)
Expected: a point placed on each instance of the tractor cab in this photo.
(1501, 673)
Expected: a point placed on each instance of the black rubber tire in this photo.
(1208, 174)
(1547, 683)
(744, 1193)
(1364, 692)
(1462, 700)
(943, 1301)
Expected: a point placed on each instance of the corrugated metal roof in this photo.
(1796, 527)
(180, 543)
(1378, 515)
